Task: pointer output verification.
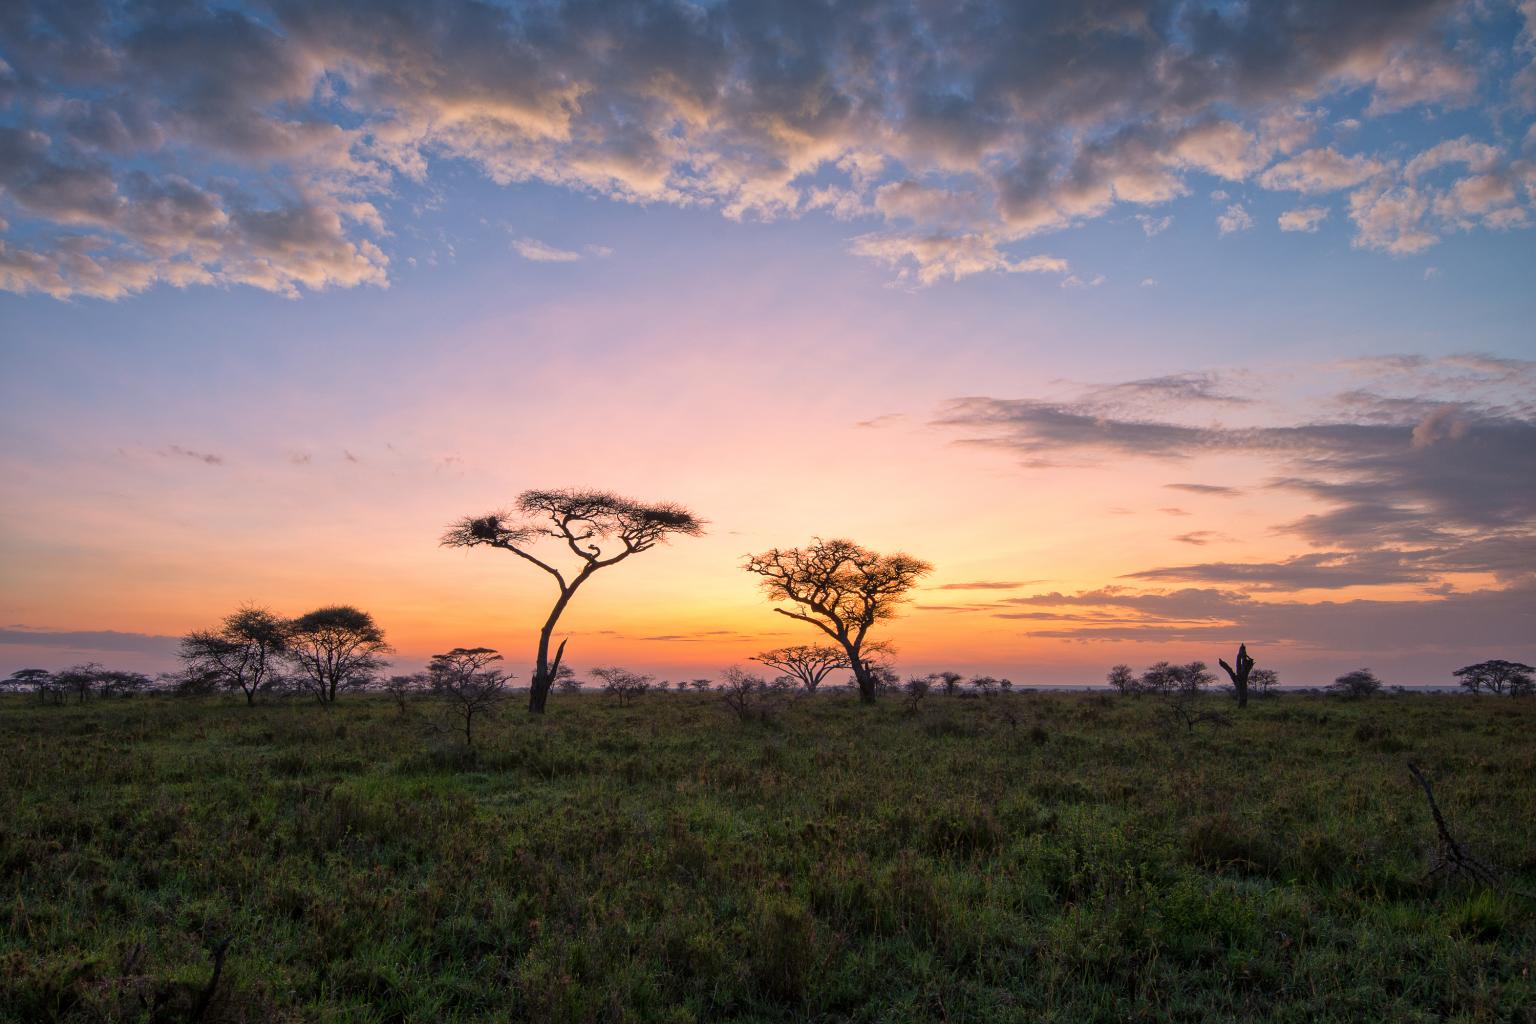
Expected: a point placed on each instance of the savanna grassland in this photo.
(1027, 857)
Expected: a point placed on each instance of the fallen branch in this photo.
(200, 1007)
(1451, 858)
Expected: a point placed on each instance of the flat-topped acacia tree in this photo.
(842, 589)
(599, 528)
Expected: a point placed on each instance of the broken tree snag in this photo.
(1239, 675)
(1451, 858)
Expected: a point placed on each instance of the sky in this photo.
(1155, 327)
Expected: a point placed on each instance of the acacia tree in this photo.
(599, 528)
(334, 649)
(32, 680)
(80, 681)
(1239, 675)
(843, 590)
(1362, 682)
(808, 663)
(622, 683)
(465, 680)
(950, 681)
(1265, 682)
(242, 653)
(1498, 676)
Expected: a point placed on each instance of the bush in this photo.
(1362, 682)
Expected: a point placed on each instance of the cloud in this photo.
(1199, 538)
(1184, 389)
(926, 259)
(1320, 170)
(89, 640)
(1306, 218)
(177, 451)
(208, 144)
(1234, 219)
(987, 585)
(540, 252)
(1212, 489)
(883, 420)
(1330, 570)
(1447, 481)
(1455, 622)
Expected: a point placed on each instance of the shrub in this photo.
(1362, 682)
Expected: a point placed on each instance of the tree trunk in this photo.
(862, 675)
(544, 670)
(1239, 676)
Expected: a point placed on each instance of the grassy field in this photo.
(1032, 857)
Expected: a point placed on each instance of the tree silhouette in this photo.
(242, 653)
(599, 528)
(1498, 676)
(34, 680)
(1239, 675)
(843, 589)
(622, 683)
(1362, 682)
(808, 663)
(335, 648)
(465, 680)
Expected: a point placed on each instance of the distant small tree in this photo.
(950, 681)
(843, 590)
(1239, 674)
(1005, 684)
(622, 683)
(79, 681)
(402, 689)
(699, 685)
(1498, 677)
(28, 680)
(242, 654)
(1264, 682)
(1123, 679)
(566, 681)
(1193, 677)
(468, 683)
(1362, 682)
(984, 685)
(917, 689)
(662, 685)
(808, 664)
(1161, 678)
(883, 678)
(749, 696)
(600, 529)
(118, 683)
(334, 649)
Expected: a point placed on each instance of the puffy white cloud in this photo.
(542, 252)
(1305, 218)
(1320, 170)
(1233, 219)
(925, 259)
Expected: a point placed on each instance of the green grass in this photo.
(1055, 857)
